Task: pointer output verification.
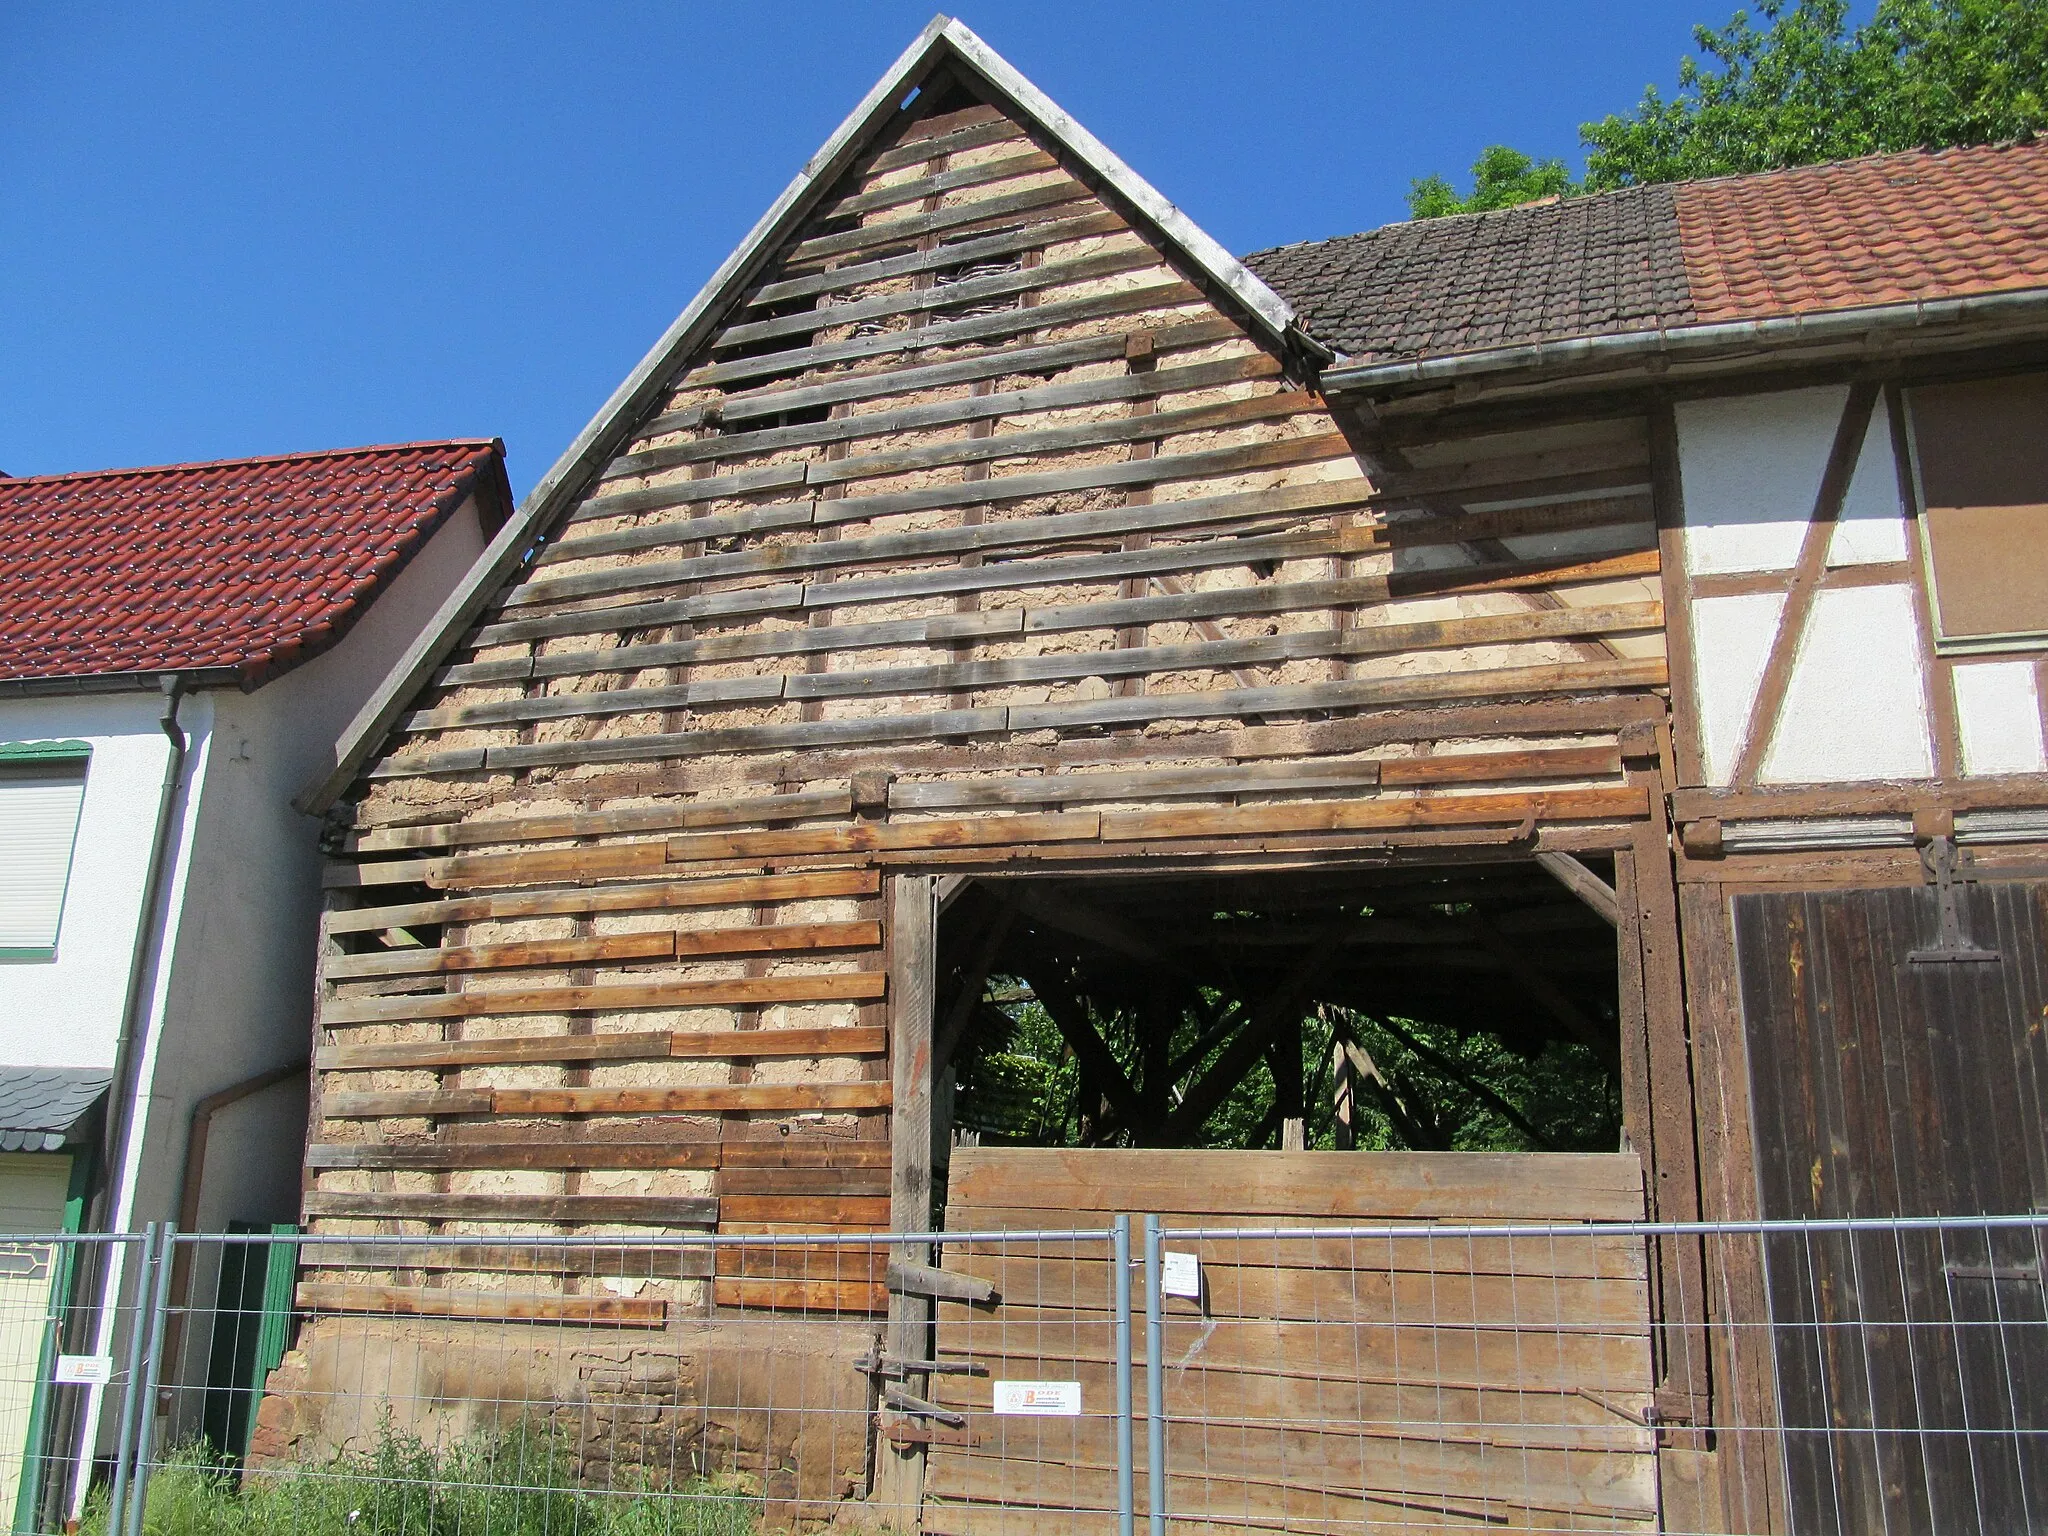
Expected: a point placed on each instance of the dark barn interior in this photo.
(1470, 1008)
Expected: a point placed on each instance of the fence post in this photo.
(159, 1305)
(1120, 1301)
(124, 1438)
(1155, 1383)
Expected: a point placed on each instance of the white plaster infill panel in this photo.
(1998, 715)
(1855, 708)
(1731, 641)
(1752, 467)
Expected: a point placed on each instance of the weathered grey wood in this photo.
(913, 963)
(744, 482)
(1158, 383)
(1308, 449)
(907, 231)
(1232, 602)
(1501, 682)
(1142, 784)
(804, 734)
(1507, 682)
(950, 333)
(778, 399)
(716, 525)
(952, 179)
(681, 610)
(1000, 130)
(1374, 640)
(972, 291)
(561, 706)
(1584, 884)
(1011, 445)
(878, 549)
(943, 1285)
(638, 1045)
(1010, 242)
(623, 819)
(728, 891)
(677, 1262)
(658, 1210)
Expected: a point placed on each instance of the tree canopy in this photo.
(1799, 87)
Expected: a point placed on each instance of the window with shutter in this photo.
(1981, 455)
(42, 786)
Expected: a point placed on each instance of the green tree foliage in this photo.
(1438, 1090)
(1800, 86)
(1501, 178)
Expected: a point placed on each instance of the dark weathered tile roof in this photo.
(39, 1106)
(1476, 280)
(248, 563)
(1880, 230)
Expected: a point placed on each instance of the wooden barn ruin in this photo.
(1594, 625)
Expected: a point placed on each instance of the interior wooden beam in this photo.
(1575, 877)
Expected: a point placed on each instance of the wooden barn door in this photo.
(1891, 1085)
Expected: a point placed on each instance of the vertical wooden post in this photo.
(913, 960)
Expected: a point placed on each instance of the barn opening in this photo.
(1467, 1007)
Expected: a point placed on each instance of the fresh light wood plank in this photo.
(724, 891)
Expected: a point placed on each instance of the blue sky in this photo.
(242, 229)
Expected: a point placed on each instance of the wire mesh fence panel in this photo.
(492, 1384)
(71, 1334)
(1844, 1376)
(1853, 1377)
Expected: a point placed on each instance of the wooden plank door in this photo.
(1911, 1367)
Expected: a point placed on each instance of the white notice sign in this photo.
(85, 1370)
(1180, 1274)
(1052, 1399)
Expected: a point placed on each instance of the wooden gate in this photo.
(1893, 1083)
(1315, 1385)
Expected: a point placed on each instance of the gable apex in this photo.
(944, 41)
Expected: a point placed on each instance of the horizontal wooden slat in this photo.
(916, 150)
(778, 558)
(605, 998)
(1618, 802)
(722, 1099)
(724, 891)
(974, 290)
(808, 1206)
(1158, 383)
(953, 178)
(778, 399)
(853, 276)
(799, 1295)
(678, 1261)
(734, 1098)
(949, 333)
(606, 823)
(656, 1210)
(863, 836)
(639, 1045)
(1503, 682)
(769, 1158)
(906, 230)
(744, 1044)
(528, 952)
(1365, 1186)
(433, 1301)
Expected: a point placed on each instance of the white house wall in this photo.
(1856, 703)
(240, 996)
(66, 1012)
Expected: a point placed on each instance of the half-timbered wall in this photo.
(1813, 653)
(978, 537)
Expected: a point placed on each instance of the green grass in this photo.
(515, 1484)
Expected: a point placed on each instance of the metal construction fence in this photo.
(1803, 1377)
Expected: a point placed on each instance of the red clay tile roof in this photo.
(252, 564)
(1883, 230)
